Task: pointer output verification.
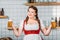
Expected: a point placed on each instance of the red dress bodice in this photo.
(30, 31)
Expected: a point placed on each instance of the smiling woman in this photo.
(32, 26)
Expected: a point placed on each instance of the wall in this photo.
(17, 11)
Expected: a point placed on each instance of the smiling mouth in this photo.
(29, 15)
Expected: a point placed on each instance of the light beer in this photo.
(53, 23)
(10, 22)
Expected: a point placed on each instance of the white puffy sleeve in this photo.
(42, 25)
(21, 24)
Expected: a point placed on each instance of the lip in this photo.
(29, 15)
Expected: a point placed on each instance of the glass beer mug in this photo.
(10, 22)
(53, 23)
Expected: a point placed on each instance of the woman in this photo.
(32, 26)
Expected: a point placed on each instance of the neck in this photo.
(32, 18)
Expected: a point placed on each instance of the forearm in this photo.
(48, 31)
(15, 31)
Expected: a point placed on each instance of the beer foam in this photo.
(10, 20)
(53, 20)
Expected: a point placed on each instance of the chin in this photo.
(29, 16)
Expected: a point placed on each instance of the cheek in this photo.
(28, 13)
(33, 14)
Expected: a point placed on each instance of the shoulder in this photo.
(21, 21)
(40, 19)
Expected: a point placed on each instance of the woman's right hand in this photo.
(15, 30)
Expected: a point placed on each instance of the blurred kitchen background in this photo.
(17, 11)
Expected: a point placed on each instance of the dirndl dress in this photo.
(31, 31)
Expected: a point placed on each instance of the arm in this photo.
(17, 32)
(46, 32)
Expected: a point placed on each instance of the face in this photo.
(31, 13)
